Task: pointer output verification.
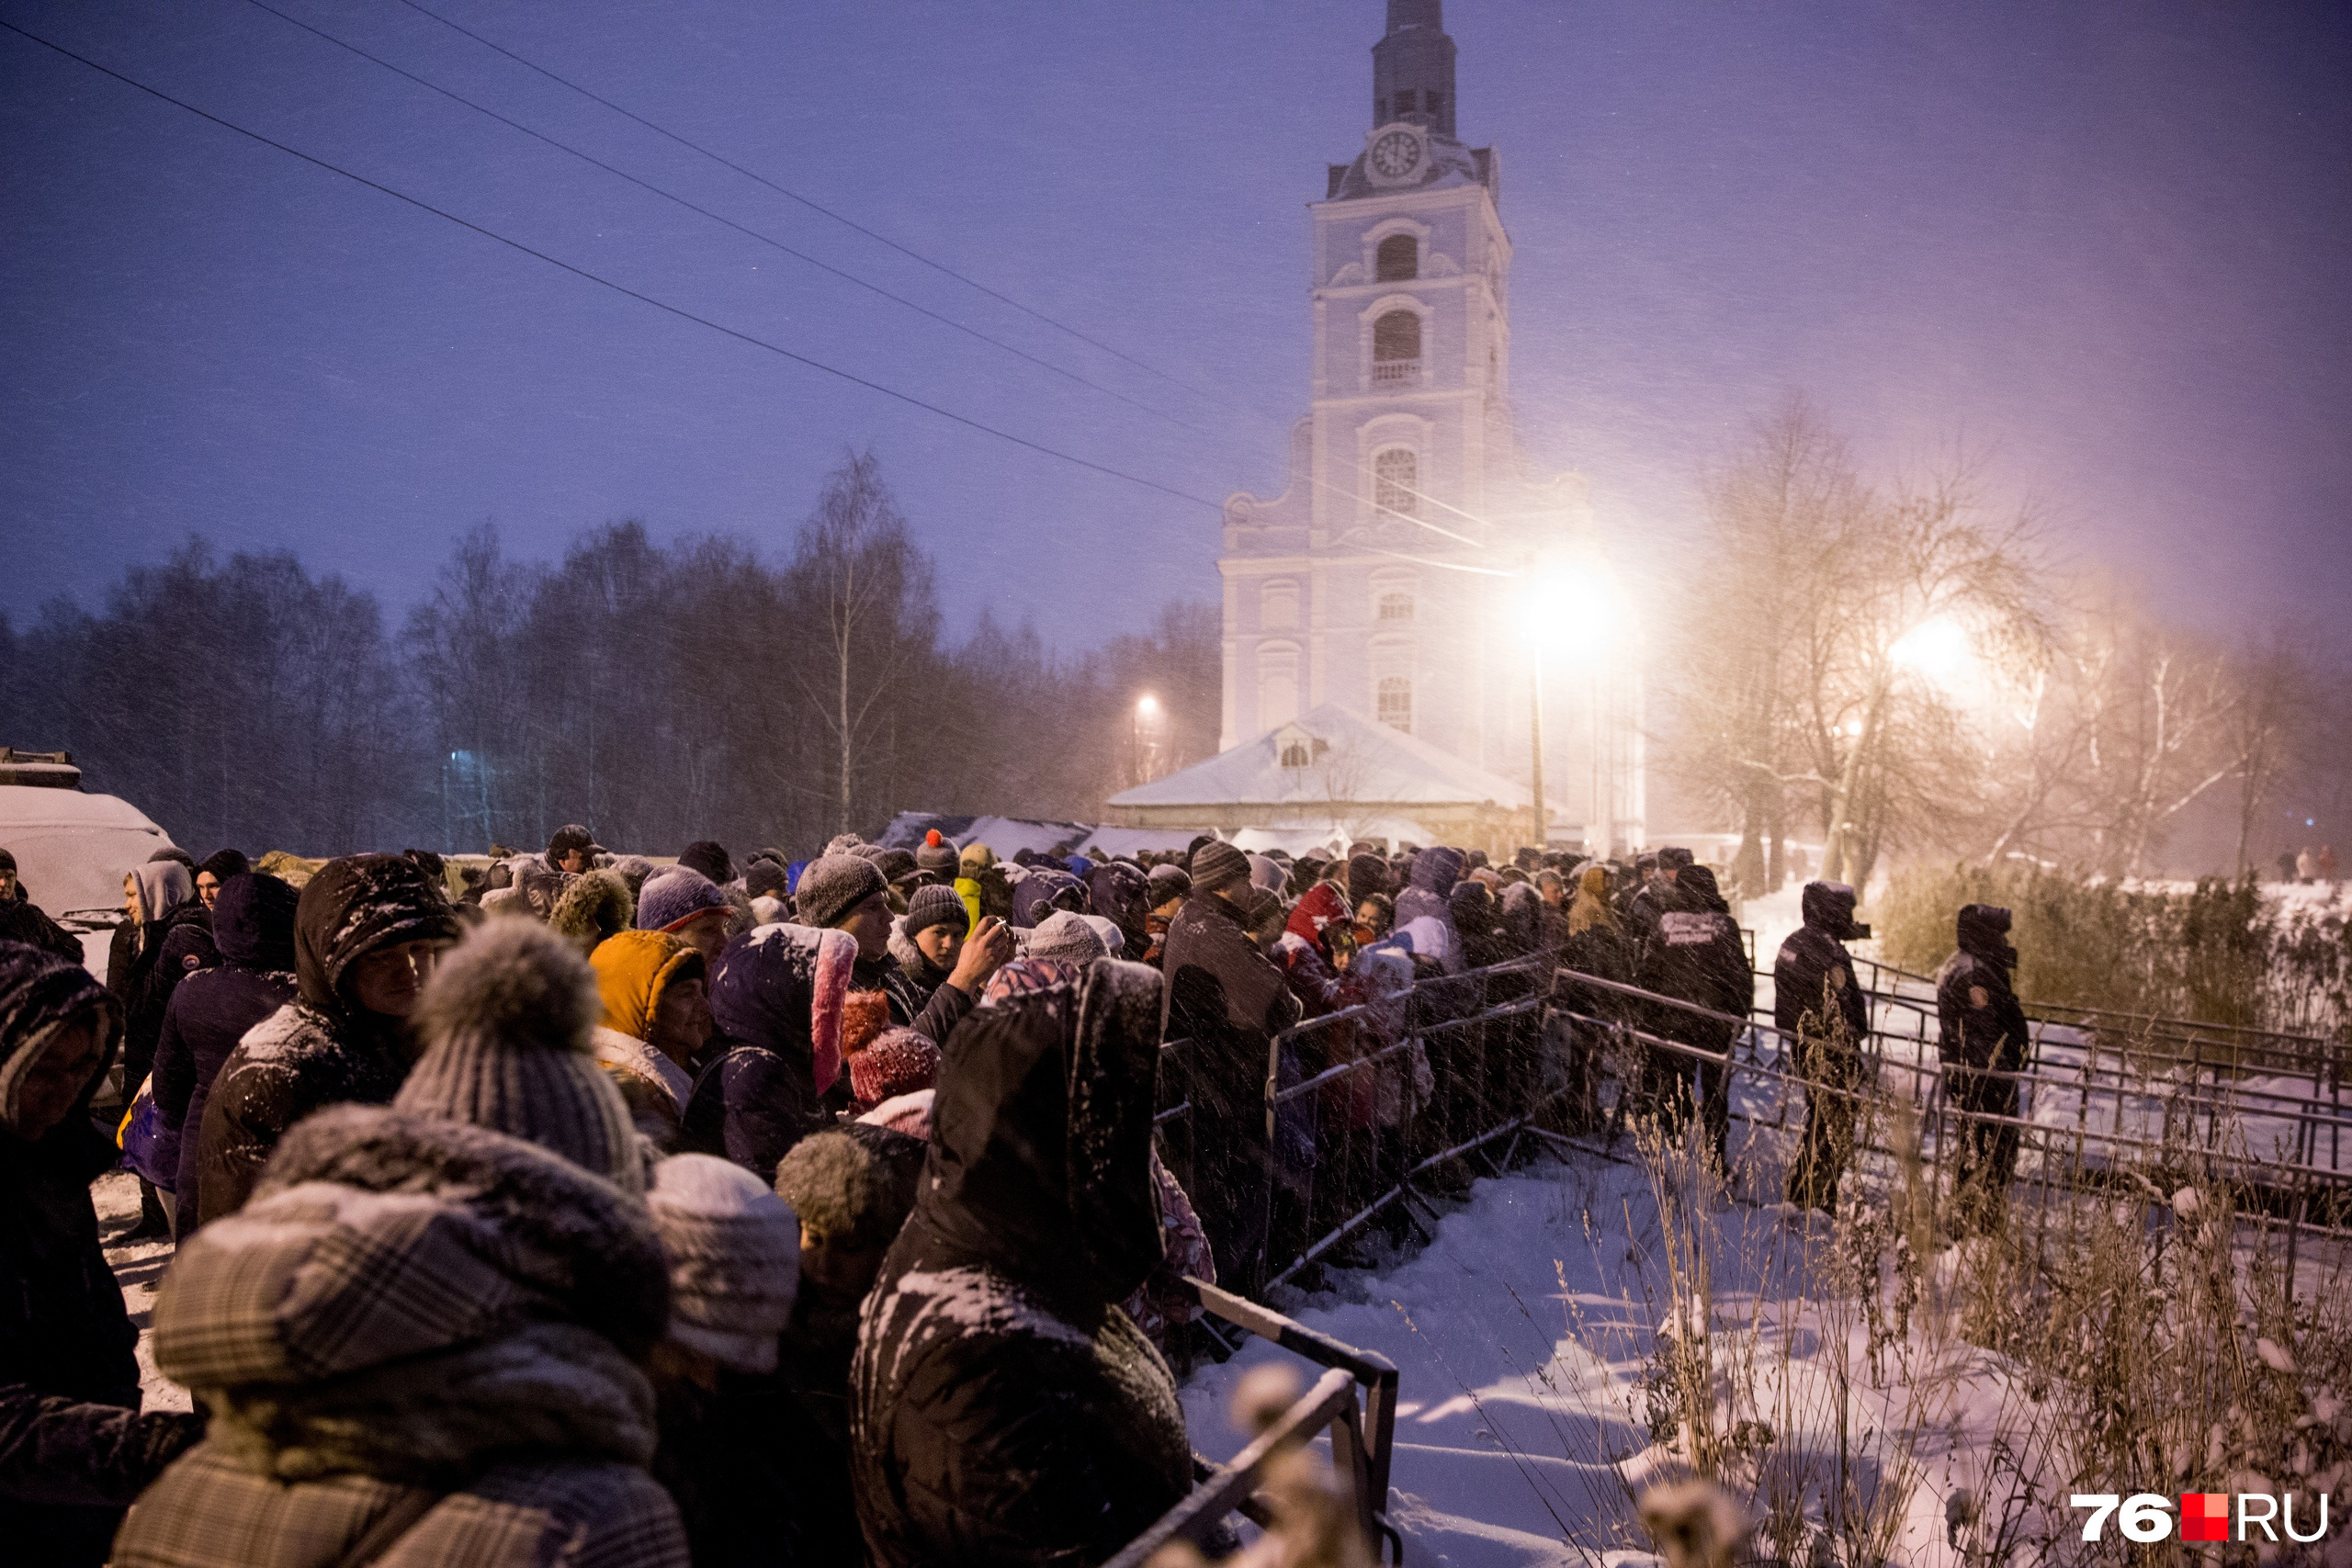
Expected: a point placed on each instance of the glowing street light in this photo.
(1147, 715)
(1937, 648)
(1939, 651)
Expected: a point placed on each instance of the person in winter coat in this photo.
(455, 1381)
(23, 921)
(596, 907)
(776, 999)
(1119, 892)
(1983, 1041)
(253, 926)
(688, 905)
(929, 943)
(1043, 891)
(1225, 996)
(542, 880)
(991, 887)
(214, 873)
(74, 1450)
(1824, 1023)
(1003, 1409)
(172, 940)
(735, 1453)
(1690, 949)
(847, 892)
(852, 1188)
(1433, 876)
(366, 931)
(656, 1023)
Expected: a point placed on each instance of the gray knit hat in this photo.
(674, 896)
(936, 907)
(1068, 937)
(506, 1020)
(734, 1252)
(1218, 865)
(831, 887)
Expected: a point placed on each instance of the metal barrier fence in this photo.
(1362, 1437)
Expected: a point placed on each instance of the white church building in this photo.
(1414, 572)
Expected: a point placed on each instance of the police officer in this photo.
(1823, 1019)
(1982, 1041)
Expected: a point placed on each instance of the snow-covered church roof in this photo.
(1330, 755)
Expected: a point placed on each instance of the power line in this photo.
(663, 305)
(812, 205)
(716, 217)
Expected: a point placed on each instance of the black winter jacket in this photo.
(253, 926)
(320, 1049)
(1690, 949)
(777, 996)
(1813, 976)
(170, 951)
(1004, 1408)
(23, 921)
(74, 1450)
(1981, 1023)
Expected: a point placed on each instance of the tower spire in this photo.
(1412, 68)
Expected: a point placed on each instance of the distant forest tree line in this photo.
(658, 695)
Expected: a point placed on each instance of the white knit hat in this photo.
(734, 1250)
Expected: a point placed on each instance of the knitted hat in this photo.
(834, 885)
(936, 907)
(7, 861)
(734, 1253)
(855, 1185)
(1065, 936)
(764, 879)
(937, 856)
(1170, 882)
(506, 1021)
(708, 858)
(1115, 941)
(977, 858)
(864, 1015)
(673, 899)
(899, 1061)
(1218, 865)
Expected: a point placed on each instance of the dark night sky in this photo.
(2107, 241)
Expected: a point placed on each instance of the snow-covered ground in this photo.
(1520, 1334)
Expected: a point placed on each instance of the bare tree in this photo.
(2271, 707)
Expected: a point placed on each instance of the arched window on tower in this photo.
(1399, 261)
(1396, 604)
(1395, 703)
(1397, 482)
(1396, 349)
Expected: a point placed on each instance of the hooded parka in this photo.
(253, 926)
(74, 1450)
(321, 1048)
(1003, 1409)
(776, 999)
(423, 1337)
(1824, 1020)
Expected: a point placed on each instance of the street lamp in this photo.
(1146, 713)
(1939, 649)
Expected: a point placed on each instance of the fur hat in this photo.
(937, 856)
(834, 885)
(506, 1020)
(898, 1061)
(1218, 865)
(596, 907)
(734, 1254)
(936, 907)
(843, 844)
(852, 1185)
(1068, 937)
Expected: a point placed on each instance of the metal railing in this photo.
(1355, 1400)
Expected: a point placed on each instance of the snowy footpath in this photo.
(1522, 1336)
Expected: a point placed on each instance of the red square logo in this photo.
(2204, 1515)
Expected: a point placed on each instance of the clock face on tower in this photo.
(1395, 154)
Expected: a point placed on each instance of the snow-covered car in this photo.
(72, 849)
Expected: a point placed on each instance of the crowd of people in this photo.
(578, 1209)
